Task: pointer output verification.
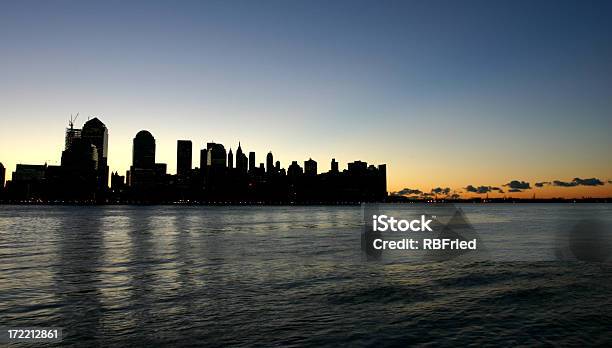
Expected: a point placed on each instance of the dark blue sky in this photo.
(400, 82)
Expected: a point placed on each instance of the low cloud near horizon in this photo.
(542, 184)
(482, 189)
(441, 191)
(407, 192)
(575, 182)
(416, 192)
(517, 186)
(513, 186)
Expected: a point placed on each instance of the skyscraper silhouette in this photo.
(2, 176)
(310, 167)
(82, 155)
(270, 163)
(117, 182)
(143, 152)
(241, 160)
(142, 174)
(203, 159)
(80, 167)
(251, 161)
(334, 166)
(238, 156)
(382, 175)
(183, 157)
(230, 159)
(96, 133)
(71, 134)
(217, 157)
(294, 169)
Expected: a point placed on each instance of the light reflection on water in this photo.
(286, 276)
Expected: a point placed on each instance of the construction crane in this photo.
(71, 133)
(72, 119)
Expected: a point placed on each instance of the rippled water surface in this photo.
(288, 276)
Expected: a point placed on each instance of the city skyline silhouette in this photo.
(83, 176)
(221, 176)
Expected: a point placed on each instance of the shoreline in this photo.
(331, 204)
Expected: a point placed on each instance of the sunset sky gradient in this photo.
(447, 93)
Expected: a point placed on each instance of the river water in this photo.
(291, 276)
